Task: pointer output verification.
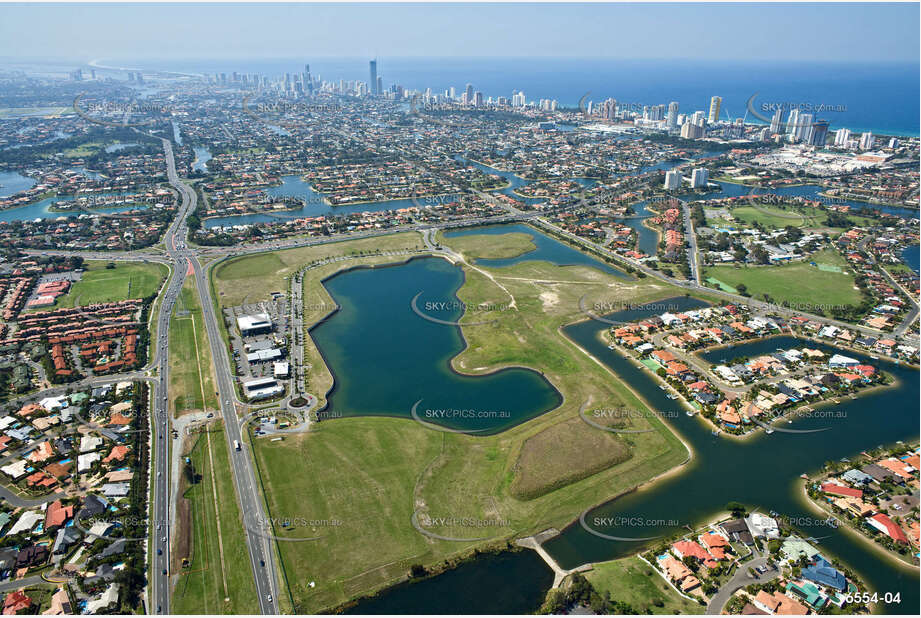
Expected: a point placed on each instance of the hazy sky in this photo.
(846, 32)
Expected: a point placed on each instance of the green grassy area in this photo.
(491, 246)
(372, 474)
(772, 216)
(191, 375)
(799, 282)
(768, 216)
(84, 149)
(127, 280)
(200, 588)
(253, 278)
(632, 581)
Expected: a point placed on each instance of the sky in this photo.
(844, 32)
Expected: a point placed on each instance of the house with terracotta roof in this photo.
(57, 514)
(15, 602)
(888, 527)
(43, 452)
(690, 548)
(840, 490)
(118, 453)
(898, 467)
(779, 604)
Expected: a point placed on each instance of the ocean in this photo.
(882, 98)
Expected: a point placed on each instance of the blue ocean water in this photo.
(880, 97)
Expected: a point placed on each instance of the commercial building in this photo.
(262, 356)
(256, 324)
(262, 388)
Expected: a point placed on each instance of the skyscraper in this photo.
(793, 122)
(866, 141)
(699, 177)
(672, 179)
(469, 92)
(715, 103)
(842, 136)
(775, 120)
(803, 129)
(819, 133)
(373, 82)
(671, 120)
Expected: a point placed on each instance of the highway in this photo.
(248, 494)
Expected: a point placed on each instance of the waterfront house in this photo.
(888, 527)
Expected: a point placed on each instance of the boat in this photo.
(690, 412)
(874, 357)
(662, 387)
(804, 476)
(715, 432)
(672, 396)
(769, 431)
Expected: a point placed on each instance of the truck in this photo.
(236, 444)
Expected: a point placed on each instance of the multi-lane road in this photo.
(184, 260)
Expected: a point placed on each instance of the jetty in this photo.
(536, 543)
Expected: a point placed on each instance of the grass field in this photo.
(799, 282)
(200, 588)
(191, 375)
(771, 216)
(254, 277)
(127, 280)
(372, 474)
(491, 246)
(633, 581)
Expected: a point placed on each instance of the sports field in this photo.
(126, 280)
(798, 282)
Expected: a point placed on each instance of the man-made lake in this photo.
(385, 357)
(547, 249)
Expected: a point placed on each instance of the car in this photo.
(164, 571)
(262, 563)
(159, 552)
(268, 598)
(163, 540)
